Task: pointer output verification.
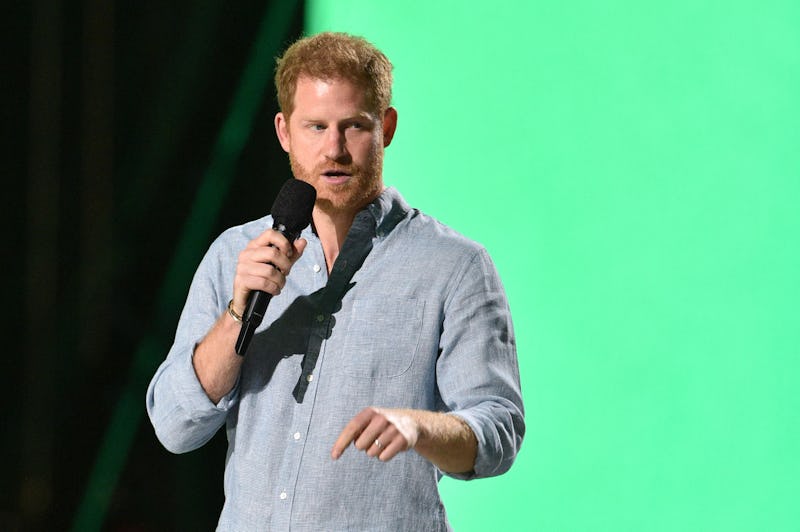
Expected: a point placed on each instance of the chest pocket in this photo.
(381, 338)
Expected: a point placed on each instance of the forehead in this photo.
(313, 95)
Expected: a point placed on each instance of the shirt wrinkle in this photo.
(458, 278)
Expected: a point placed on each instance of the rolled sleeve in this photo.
(183, 416)
(477, 371)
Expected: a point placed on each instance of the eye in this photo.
(316, 127)
(359, 125)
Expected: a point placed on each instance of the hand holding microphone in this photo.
(267, 259)
(263, 265)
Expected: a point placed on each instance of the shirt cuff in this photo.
(193, 399)
(482, 458)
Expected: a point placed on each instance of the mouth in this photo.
(335, 176)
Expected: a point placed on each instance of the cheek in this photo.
(367, 148)
(303, 147)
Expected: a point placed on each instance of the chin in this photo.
(350, 201)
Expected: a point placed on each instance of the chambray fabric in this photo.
(413, 315)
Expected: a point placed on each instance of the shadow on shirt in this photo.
(309, 320)
(300, 330)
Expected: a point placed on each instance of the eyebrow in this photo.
(361, 116)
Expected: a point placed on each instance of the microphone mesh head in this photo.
(293, 205)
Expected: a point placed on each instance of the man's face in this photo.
(335, 143)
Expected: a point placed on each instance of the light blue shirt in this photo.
(413, 315)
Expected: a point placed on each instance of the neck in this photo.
(332, 229)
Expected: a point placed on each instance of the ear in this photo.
(389, 125)
(282, 129)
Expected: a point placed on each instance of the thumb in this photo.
(299, 246)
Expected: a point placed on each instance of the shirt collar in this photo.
(387, 210)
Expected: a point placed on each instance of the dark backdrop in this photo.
(112, 112)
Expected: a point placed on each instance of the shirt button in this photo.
(283, 495)
(310, 378)
(320, 318)
(317, 268)
(296, 435)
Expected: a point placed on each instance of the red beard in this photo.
(364, 185)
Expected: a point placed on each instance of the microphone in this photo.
(291, 213)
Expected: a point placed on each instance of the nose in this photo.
(335, 144)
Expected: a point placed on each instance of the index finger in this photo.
(351, 431)
(274, 238)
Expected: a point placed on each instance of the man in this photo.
(386, 357)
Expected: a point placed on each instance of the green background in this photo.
(633, 169)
